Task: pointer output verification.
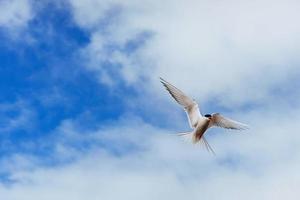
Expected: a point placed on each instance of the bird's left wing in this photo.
(190, 106)
(220, 121)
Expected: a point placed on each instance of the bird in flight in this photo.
(198, 122)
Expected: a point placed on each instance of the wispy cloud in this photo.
(236, 58)
(162, 166)
(15, 15)
(227, 45)
(16, 116)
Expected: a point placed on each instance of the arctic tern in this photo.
(198, 122)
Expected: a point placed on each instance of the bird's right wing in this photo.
(190, 106)
(220, 121)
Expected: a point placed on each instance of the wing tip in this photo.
(243, 127)
(161, 79)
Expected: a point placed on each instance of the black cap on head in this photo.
(207, 115)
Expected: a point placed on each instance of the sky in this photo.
(84, 116)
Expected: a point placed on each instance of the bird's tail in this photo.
(208, 147)
(189, 137)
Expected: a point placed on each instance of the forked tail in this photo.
(208, 147)
(189, 137)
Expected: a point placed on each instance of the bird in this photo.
(198, 122)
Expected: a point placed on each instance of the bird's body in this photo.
(197, 121)
(202, 126)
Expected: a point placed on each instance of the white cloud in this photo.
(15, 13)
(260, 164)
(253, 46)
(236, 49)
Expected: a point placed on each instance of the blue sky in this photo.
(45, 76)
(81, 99)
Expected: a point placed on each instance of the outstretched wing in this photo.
(220, 121)
(189, 105)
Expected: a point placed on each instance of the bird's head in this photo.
(208, 116)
